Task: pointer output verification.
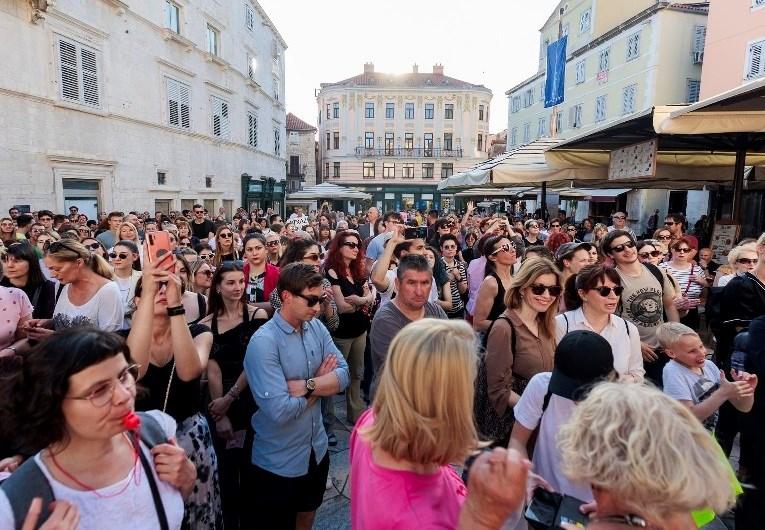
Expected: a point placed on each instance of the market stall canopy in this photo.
(525, 165)
(327, 190)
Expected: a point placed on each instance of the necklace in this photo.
(134, 472)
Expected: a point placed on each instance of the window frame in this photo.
(335, 109)
(408, 111)
(601, 108)
(368, 170)
(83, 76)
(369, 140)
(252, 129)
(389, 170)
(448, 141)
(390, 111)
(369, 110)
(447, 169)
(633, 43)
(448, 111)
(215, 43)
(224, 123)
(585, 21)
(430, 111)
(429, 175)
(335, 170)
(407, 170)
(581, 71)
(629, 108)
(336, 140)
(427, 144)
(169, 5)
(180, 86)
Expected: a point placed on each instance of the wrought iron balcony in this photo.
(403, 152)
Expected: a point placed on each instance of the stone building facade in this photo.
(140, 105)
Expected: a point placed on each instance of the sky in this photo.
(494, 43)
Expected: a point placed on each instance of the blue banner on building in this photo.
(556, 72)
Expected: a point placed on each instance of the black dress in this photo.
(498, 306)
(353, 324)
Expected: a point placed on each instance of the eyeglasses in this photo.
(92, 246)
(621, 248)
(207, 273)
(504, 248)
(449, 247)
(121, 255)
(606, 291)
(747, 261)
(652, 254)
(350, 244)
(539, 289)
(313, 257)
(103, 394)
(207, 256)
(665, 238)
(533, 226)
(670, 223)
(226, 236)
(311, 300)
(199, 212)
(272, 243)
(572, 229)
(682, 250)
(554, 226)
(621, 217)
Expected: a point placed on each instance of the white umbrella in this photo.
(327, 190)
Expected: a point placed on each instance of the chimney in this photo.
(369, 68)
(415, 69)
(438, 69)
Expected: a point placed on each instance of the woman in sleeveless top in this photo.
(173, 356)
(233, 322)
(500, 258)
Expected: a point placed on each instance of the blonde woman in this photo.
(666, 467)
(599, 231)
(421, 421)
(742, 259)
(225, 246)
(128, 232)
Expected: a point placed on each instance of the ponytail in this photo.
(101, 267)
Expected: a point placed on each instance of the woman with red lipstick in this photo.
(233, 322)
(173, 356)
(68, 411)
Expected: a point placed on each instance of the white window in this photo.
(252, 129)
(516, 105)
(600, 108)
(633, 46)
(580, 72)
(754, 63)
(277, 142)
(542, 91)
(249, 17)
(585, 21)
(79, 73)
(213, 40)
(604, 60)
(694, 88)
(514, 136)
(369, 170)
(389, 170)
(526, 132)
(528, 98)
(542, 128)
(558, 122)
(575, 116)
(178, 104)
(221, 125)
(172, 16)
(628, 99)
(699, 40)
(277, 89)
(252, 65)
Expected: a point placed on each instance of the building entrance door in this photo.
(85, 194)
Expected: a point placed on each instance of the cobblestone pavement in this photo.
(335, 511)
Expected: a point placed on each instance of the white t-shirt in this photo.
(105, 310)
(625, 345)
(684, 384)
(130, 510)
(547, 460)
(387, 295)
(300, 222)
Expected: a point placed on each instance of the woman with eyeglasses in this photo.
(21, 269)
(173, 356)
(592, 297)
(649, 251)
(345, 270)
(260, 275)
(490, 302)
(691, 281)
(664, 237)
(742, 259)
(194, 302)
(232, 322)
(325, 236)
(96, 247)
(68, 410)
(274, 248)
(84, 232)
(127, 271)
(7, 231)
(521, 341)
(206, 253)
(225, 247)
(200, 276)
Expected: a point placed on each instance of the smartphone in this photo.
(158, 246)
(416, 232)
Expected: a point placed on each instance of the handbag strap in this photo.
(158, 505)
(169, 383)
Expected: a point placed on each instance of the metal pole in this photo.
(738, 177)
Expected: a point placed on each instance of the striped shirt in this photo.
(457, 303)
(690, 289)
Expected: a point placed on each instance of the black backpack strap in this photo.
(545, 403)
(58, 291)
(627, 327)
(512, 334)
(566, 319)
(161, 515)
(24, 484)
(656, 271)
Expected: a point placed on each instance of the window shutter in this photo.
(699, 38)
(185, 105)
(173, 102)
(70, 85)
(89, 77)
(249, 17)
(755, 59)
(252, 123)
(220, 118)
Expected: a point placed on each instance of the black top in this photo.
(351, 324)
(42, 297)
(203, 229)
(467, 255)
(185, 397)
(498, 306)
(228, 351)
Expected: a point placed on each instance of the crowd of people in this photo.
(489, 365)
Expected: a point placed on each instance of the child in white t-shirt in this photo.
(697, 382)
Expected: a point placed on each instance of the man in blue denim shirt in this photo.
(291, 361)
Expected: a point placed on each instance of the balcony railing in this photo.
(403, 152)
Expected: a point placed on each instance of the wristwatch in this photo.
(310, 386)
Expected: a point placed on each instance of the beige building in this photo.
(735, 45)
(395, 136)
(140, 105)
(301, 154)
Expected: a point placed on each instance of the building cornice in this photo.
(63, 17)
(436, 90)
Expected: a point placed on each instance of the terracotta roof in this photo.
(296, 124)
(410, 80)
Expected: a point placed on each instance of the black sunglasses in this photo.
(311, 300)
(272, 243)
(121, 255)
(748, 261)
(92, 246)
(605, 291)
(539, 289)
(350, 244)
(653, 254)
(622, 247)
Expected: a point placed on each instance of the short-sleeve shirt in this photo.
(642, 303)
(203, 229)
(684, 384)
(104, 310)
(14, 305)
(687, 287)
(376, 246)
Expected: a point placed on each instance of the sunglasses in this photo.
(682, 250)
(665, 238)
(272, 243)
(533, 226)
(226, 236)
(350, 244)
(571, 229)
(504, 248)
(313, 257)
(670, 223)
(621, 248)
(207, 273)
(619, 217)
(606, 291)
(449, 247)
(539, 289)
(207, 256)
(121, 255)
(652, 254)
(747, 261)
(311, 300)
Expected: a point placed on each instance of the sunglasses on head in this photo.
(653, 254)
(606, 291)
(121, 255)
(747, 261)
(533, 225)
(350, 244)
(539, 289)
(621, 248)
(311, 300)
